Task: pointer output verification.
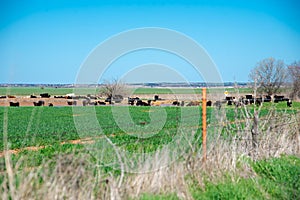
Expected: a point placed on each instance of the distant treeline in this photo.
(191, 84)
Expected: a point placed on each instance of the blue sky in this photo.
(47, 41)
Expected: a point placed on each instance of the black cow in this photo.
(156, 98)
(258, 101)
(2, 97)
(229, 102)
(208, 103)
(32, 96)
(141, 103)
(50, 104)
(176, 103)
(39, 103)
(59, 97)
(289, 103)
(249, 96)
(13, 104)
(45, 95)
(131, 101)
(101, 103)
(72, 103)
(109, 100)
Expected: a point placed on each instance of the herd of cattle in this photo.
(90, 100)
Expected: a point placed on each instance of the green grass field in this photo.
(50, 127)
(26, 91)
(42, 126)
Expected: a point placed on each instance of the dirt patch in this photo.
(88, 140)
(16, 151)
(36, 148)
(80, 141)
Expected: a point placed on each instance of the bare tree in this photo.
(269, 75)
(114, 90)
(294, 74)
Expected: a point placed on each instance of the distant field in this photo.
(26, 91)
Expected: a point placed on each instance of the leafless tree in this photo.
(269, 75)
(294, 74)
(114, 90)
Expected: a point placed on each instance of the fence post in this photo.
(204, 123)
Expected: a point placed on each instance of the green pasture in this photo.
(39, 126)
(26, 91)
(42, 126)
(50, 126)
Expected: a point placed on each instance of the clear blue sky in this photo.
(47, 41)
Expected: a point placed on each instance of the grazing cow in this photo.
(109, 100)
(258, 101)
(101, 103)
(50, 104)
(131, 101)
(289, 103)
(11, 96)
(45, 95)
(229, 98)
(142, 103)
(176, 103)
(2, 97)
(13, 104)
(72, 103)
(156, 98)
(249, 96)
(208, 103)
(229, 102)
(278, 98)
(32, 96)
(39, 103)
(59, 97)
(268, 98)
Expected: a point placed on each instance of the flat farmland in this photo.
(42, 126)
(92, 143)
(26, 91)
